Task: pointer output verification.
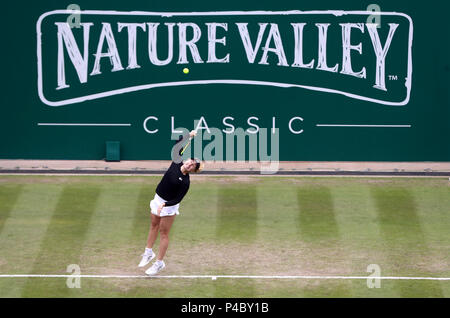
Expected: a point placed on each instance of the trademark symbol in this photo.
(393, 77)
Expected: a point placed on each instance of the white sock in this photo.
(159, 262)
(148, 251)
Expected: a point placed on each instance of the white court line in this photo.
(80, 124)
(225, 276)
(369, 126)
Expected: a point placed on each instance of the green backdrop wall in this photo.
(336, 86)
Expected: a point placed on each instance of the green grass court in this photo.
(227, 226)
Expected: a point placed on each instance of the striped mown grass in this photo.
(227, 226)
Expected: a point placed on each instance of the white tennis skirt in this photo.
(166, 211)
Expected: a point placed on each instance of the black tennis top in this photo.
(174, 184)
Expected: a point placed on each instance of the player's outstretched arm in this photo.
(180, 148)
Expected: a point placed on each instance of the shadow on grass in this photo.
(8, 199)
(316, 219)
(404, 237)
(237, 214)
(63, 241)
(237, 221)
(141, 221)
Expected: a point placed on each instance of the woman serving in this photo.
(164, 207)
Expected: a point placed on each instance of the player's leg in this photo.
(154, 229)
(164, 229)
(152, 235)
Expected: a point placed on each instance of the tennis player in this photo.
(164, 207)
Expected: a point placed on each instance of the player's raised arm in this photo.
(192, 134)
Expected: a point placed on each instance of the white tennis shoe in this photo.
(146, 258)
(155, 268)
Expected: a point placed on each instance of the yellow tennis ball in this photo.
(185, 70)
